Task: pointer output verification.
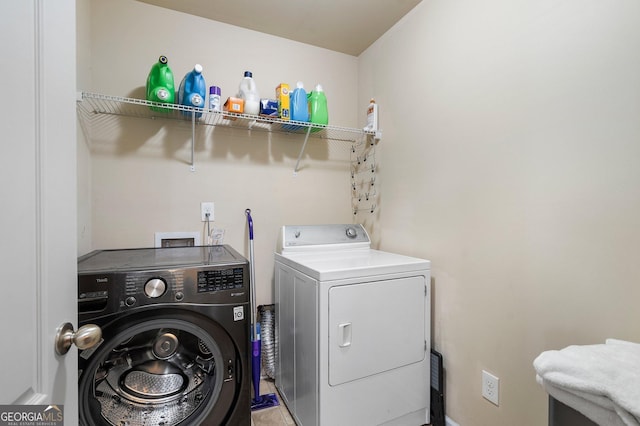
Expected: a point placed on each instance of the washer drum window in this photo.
(157, 372)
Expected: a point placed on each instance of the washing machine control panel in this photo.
(220, 279)
(126, 290)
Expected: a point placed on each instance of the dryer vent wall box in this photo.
(361, 350)
(177, 239)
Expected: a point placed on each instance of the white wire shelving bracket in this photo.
(98, 104)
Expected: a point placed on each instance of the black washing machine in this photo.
(175, 332)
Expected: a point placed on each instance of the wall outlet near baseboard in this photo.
(490, 387)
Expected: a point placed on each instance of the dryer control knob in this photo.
(351, 232)
(155, 287)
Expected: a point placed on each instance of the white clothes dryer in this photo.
(352, 329)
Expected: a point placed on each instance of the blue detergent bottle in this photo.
(193, 90)
(299, 107)
(298, 103)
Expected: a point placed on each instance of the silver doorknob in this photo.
(86, 337)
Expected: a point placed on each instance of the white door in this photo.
(38, 201)
(376, 327)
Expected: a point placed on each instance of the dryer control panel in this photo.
(322, 237)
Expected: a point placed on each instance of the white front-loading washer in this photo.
(352, 329)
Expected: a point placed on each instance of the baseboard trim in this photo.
(449, 422)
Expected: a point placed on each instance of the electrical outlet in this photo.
(490, 387)
(204, 209)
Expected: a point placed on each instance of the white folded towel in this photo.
(600, 381)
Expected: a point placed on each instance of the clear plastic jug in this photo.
(249, 92)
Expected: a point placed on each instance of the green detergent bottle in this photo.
(318, 112)
(160, 86)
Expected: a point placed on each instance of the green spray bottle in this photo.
(160, 86)
(318, 112)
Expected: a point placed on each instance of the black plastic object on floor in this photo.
(437, 390)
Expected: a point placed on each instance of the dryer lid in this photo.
(334, 252)
(346, 264)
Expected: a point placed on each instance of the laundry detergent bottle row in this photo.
(160, 85)
(192, 90)
(249, 92)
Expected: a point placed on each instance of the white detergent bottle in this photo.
(372, 117)
(249, 92)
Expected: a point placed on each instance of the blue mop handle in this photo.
(252, 278)
(250, 221)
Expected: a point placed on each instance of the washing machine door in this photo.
(163, 367)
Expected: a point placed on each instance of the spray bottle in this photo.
(214, 98)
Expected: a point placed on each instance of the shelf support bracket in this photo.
(193, 140)
(304, 145)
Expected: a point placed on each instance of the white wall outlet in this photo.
(204, 209)
(490, 387)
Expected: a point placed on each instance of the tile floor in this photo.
(274, 416)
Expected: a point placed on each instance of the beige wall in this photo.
(140, 180)
(510, 159)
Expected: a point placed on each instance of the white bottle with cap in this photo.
(372, 117)
(249, 93)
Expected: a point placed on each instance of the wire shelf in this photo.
(94, 103)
